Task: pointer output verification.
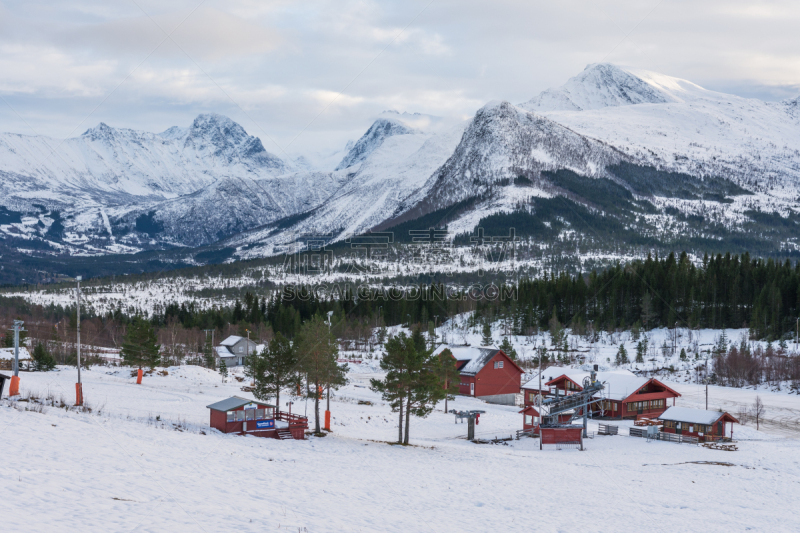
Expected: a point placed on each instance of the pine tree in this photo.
(317, 351)
(273, 369)
(683, 354)
(641, 348)
(394, 386)
(508, 349)
(622, 355)
(449, 376)
(43, 360)
(412, 383)
(223, 369)
(486, 338)
(140, 346)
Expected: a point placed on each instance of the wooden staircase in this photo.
(285, 434)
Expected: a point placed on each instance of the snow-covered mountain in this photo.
(668, 162)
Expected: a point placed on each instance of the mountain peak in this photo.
(601, 85)
(101, 131)
(380, 130)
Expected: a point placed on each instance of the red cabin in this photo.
(530, 419)
(705, 425)
(486, 373)
(249, 417)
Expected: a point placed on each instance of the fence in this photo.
(668, 437)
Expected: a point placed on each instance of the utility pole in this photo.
(328, 407)
(706, 394)
(79, 385)
(14, 389)
(212, 339)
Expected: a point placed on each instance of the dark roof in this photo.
(234, 402)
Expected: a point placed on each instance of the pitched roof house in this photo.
(626, 395)
(235, 349)
(706, 425)
(486, 373)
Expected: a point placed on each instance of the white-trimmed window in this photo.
(529, 420)
(231, 416)
(498, 364)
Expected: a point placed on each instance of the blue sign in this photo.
(265, 424)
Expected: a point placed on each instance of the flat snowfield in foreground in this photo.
(142, 464)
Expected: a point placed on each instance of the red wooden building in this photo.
(250, 417)
(626, 395)
(705, 425)
(486, 373)
(530, 418)
(530, 389)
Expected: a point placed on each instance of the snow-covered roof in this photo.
(619, 384)
(223, 351)
(230, 341)
(693, 416)
(547, 374)
(234, 402)
(8, 353)
(476, 356)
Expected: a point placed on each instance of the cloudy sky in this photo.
(308, 75)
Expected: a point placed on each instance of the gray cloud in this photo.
(278, 66)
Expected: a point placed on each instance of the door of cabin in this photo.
(472, 389)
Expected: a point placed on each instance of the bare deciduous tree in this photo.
(757, 410)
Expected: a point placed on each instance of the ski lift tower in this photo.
(471, 417)
(576, 404)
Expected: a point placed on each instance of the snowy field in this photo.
(146, 460)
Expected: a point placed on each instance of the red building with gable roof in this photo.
(250, 417)
(486, 373)
(626, 395)
(705, 425)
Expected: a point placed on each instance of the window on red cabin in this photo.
(239, 416)
(231, 417)
(498, 364)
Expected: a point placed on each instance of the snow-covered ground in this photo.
(146, 460)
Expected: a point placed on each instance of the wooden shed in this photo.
(705, 425)
(530, 418)
(250, 417)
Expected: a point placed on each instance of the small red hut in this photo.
(250, 417)
(530, 420)
(705, 425)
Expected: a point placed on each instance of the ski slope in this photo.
(140, 462)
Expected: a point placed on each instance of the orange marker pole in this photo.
(78, 394)
(14, 388)
(328, 420)
(139, 377)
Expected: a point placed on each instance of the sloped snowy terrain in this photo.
(145, 459)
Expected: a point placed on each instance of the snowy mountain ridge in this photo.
(681, 160)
